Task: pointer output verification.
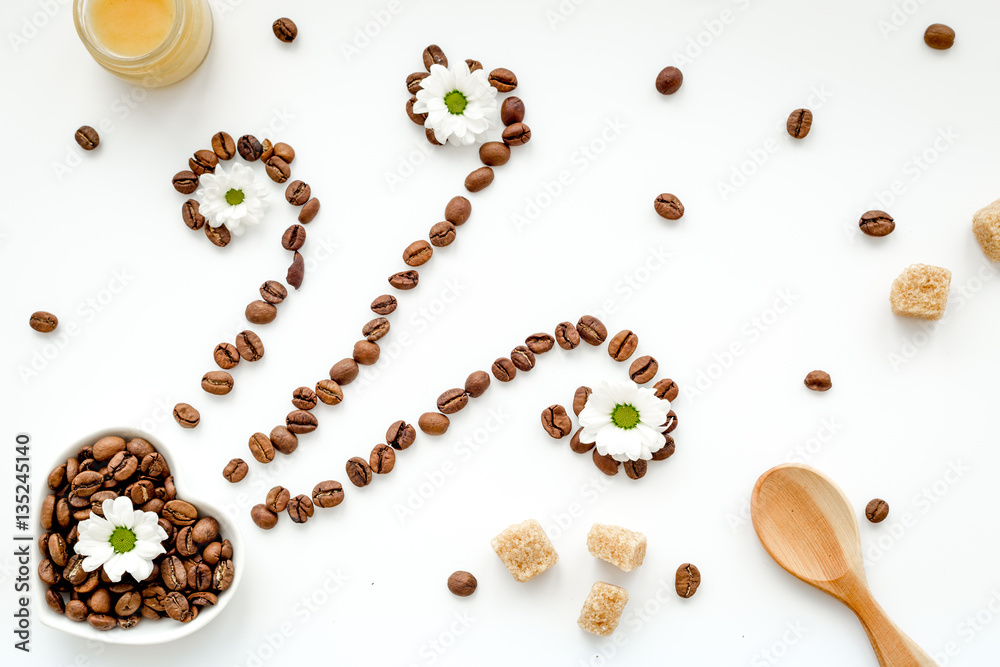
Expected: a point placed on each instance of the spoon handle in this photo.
(892, 647)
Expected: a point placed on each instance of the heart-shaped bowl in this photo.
(148, 631)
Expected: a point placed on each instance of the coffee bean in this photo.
(293, 238)
(606, 464)
(249, 345)
(479, 179)
(567, 337)
(180, 513)
(191, 214)
(433, 55)
(300, 508)
(877, 223)
(107, 447)
(417, 253)
(304, 398)
(556, 422)
(818, 381)
(102, 622)
(277, 169)
(458, 210)
(223, 145)
(431, 138)
(433, 423)
(57, 477)
(249, 148)
(142, 491)
(76, 610)
(57, 550)
(494, 153)
(580, 399)
(329, 392)
(413, 82)
(139, 448)
(635, 469)
(668, 206)
(687, 580)
(452, 401)
(224, 572)
(122, 466)
(272, 292)
(283, 439)
(580, 447)
(309, 211)
(285, 30)
(442, 234)
(203, 598)
(669, 81)
(666, 451)
(203, 162)
(937, 36)
(540, 343)
(176, 605)
(366, 353)
(512, 110)
(504, 369)
(382, 459)
(297, 193)
(344, 371)
(235, 471)
(205, 530)
(219, 236)
(623, 345)
(54, 600)
(400, 435)
(417, 118)
(799, 123)
(48, 572)
(173, 573)
(671, 423)
(86, 483)
(261, 447)
(462, 584)
(877, 510)
(87, 137)
(477, 383)
(359, 472)
(404, 280)
(265, 518)
(666, 389)
(219, 383)
(328, 494)
(48, 511)
(473, 64)
(277, 499)
(284, 151)
(260, 312)
(296, 271)
(185, 182)
(502, 79)
(384, 305)
(592, 330)
(517, 134)
(523, 358)
(301, 422)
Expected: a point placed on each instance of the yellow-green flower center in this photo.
(234, 197)
(625, 416)
(122, 540)
(456, 102)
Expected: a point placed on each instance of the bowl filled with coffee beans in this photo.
(124, 556)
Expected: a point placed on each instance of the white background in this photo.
(909, 403)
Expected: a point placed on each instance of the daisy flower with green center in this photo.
(461, 106)
(123, 540)
(625, 420)
(232, 198)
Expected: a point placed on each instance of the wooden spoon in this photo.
(806, 524)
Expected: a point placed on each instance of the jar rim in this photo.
(93, 45)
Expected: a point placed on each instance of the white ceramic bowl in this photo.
(148, 631)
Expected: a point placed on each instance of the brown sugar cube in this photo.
(921, 291)
(623, 548)
(986, 227)
(525, 549)
(603, 609)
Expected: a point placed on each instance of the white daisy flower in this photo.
(461, 106)
(234, 198)
(625, 420)
(125, 540)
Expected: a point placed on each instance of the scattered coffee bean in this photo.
(818, 381)
(277, 169)
(344, 371)
(877, 223)
(452, 401)
(458, 210)
(479, 179)
(417, 118)
(635, 469)
(494, 153)
(382, 459)
(400, 435)
(186, 416)
(666, 389)
(284, 440)
(580, 447)
(249, 148)
(477, 383)
(285, 30)
(263, 517)
(203, 162)
(235, 471)
(687, 580)
(643, 369)
(366, 353)
(404, 280)
(304, 398)
(219, 236)
(296, 271)
(375, 329)
(417, 253)
(512, 110)
(567, 337)
(433, 423)
(937, 36)
(442, 234)
(301, 422)
(87, 137)
(328, 494)
(261, 447)
(43, 322)
(300, 508)
(273, 292)
(224, 146)
(668, 206)
(523, 358)
(502, 79)
(185, 182)
(277, 499)
(473, 64)
(431, 138)
(384, 305)
(504, 369)
(297, 193)
(592, 330)
(309, 211)
(191, 214)
(666, 451)
(284, 151)
(877, 510)
(606, 464)
(329, 392)
(260, 312)
(516, 134)
(462, 584)
(669, 81)
(540, 343)
(433, 55)
(413, 82)
(580, 399)
(671, 423)
(556, 422)
(359, 472)
(219, 383)
(623, 345)
(799, 123)
(249, 345)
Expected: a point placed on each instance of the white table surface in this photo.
(897, 126)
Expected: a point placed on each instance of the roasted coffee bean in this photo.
(265, 518)
(284, 151)
(666, 389)
(404, 280)
(939, 36)
(400, 435)
(799, 123)
(668, 206)
(141, 492)
(48, 572)
(304, 398)
(260, 312)
(877, 510)
(77, 501)
(580, 447)
(76, 610)
(635, 469)
(413, 82)
(417, 118)
(359, 472)
(433, 423)
(54, 599)
(285, 30)
(669, 81)
(58, 552)
(169, 490)
(206, 529)
(344, 371)
(294, 237)
(539, 343)
(442, 234)
(57, 476)
(107, 447)
(309, 211)
(504, 369)
(592, 330)
(277, 499)
(877, 223)
(300, 422)
(97, 501)
(479, 179)
(375, 329)
(329, 493)
(155, 506)
(199, 577)
(219, 236)
(494, 153)
(203, 162)
(556, 422)
(202, 599)
(382, 459)
(154, 596)
(249, 148)
(185, 182)
(212, 553)
(219, 383)
(458, 210)
(433, 55)
(224, 146)
(173, 573)
(512, 110)
(272, 292)
(184, 542)
(128, 622)
(473, 64)
(191, 214)
(300, 508)
(687, 580)
(477, 383)
(417, 253)
(64, 515)
(261, 447)
(122, 466)
(666, 451)
(366, 353)
(102, 622)
(606, 464)
(452, 401)
(180, 513)
(297, 193)
(502, 79)
(819, 381)
(462, 584)
(87, 138)
(139, 448)
(92, 581)
(523, 358)
(296, 271)
(622, 345)
(580, 399)
(671, 422)
(277, 169)
(249, 345)
(516, 134)
(329, 392)
(431, 137)
(84, 485)
(186, 416)
(567, 336)
(176, 605)
(384, 305)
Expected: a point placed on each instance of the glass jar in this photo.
(184, 45)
